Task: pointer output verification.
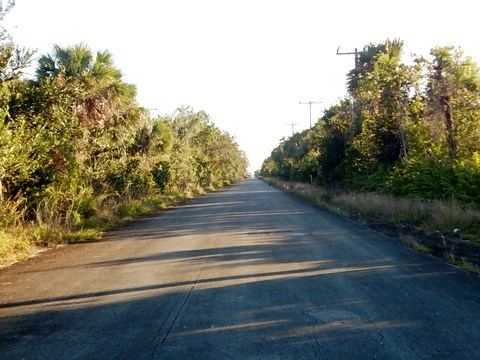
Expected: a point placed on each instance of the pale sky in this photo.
(247, 63)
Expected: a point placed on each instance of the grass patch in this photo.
(83, 236)
(15, 245)
(463, 263)
(430, 217)
(413, 244)
(19, 240)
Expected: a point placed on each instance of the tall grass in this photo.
(449, 218)
(70, 214)
(65, 205)
(426, 217)
(12, 212)
(14, 245)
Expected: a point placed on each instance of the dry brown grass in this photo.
(15, 244)
(427, 217)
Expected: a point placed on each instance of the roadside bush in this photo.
(161, 173)
(12, 212)
(435, 179)
(65, 205)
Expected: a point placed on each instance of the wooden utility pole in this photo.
(292, 124)
(349, 53)
(310, 104)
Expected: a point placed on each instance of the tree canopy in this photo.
(90, 143)
(406, 129)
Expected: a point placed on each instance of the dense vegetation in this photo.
(74, 142)
(405, 129)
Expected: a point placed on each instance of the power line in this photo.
(310, 104)
(292, 124)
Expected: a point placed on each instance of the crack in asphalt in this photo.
(310, 324)
(177, 315)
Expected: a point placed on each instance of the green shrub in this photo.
(429, 178)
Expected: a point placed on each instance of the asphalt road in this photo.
(248, 272)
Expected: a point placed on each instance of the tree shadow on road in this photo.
(268, 284)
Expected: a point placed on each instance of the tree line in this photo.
(74, 139)
(409, 129)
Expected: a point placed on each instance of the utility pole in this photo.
(292, 124)
(349, 53)
(310, 104)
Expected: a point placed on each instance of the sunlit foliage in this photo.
(74, 140)
(405, 129)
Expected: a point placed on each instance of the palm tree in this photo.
(103, 97)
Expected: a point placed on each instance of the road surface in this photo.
(248, 272)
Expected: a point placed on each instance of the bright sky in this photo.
(247, 63)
